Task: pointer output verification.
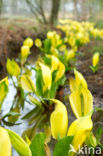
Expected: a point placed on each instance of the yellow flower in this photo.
(28, 42)
(62, 48)
(54, 62)
(38, 43)
(12, 68)
(81, 101)
(80, 79)
(25, 51)
(73, 85)
(70, 55)
(54, 51)
(79, 35)
(80, 128)
(47, 77)
(50, 34)
(60, 72)
(59, 120)
(5, 145)
(72, 41)
(95, 59)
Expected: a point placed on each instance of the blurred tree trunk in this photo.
(37, 8)
(54, 11)
(83, 10)
(1, 2)
(77, 16)
(13, 7)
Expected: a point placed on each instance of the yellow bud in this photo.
(73, 85)
(95, 59)
(80, 79)
(91, 140)
(28, 42)
(5, 145)
(60, 72)
(70, 54)
(54, 63)
(54, 51)
(47, 77)
(72, 41)
(38, 43)
(25, 51)
(62, 48)
(50, 35)
(59, 120)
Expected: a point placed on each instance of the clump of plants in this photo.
(50, 115)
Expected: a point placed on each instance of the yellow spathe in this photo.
(81, 101)
(28, 42)
(80, 128)
(47, 77)
(5, 145)
(59, 120)
(95, 59)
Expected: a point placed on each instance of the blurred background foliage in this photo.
(48, 11)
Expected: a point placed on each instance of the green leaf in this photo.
(53, 90)
(62, 147)
(55, 86)
(39, 82)
(13, 68)
(32, 112)
(47, 45)
(19, 144)
(34, 101)
(36, 117)
(9, 123)
(62, 81)
(94, 69)
(98, 109)
(27, 83)
(37, 145)
(11, 114)
(3, 92)
(14, 111)
(47, 61)
(98, 134)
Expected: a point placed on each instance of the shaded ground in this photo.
(95, 81)
(11, 42)
(12, 34)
